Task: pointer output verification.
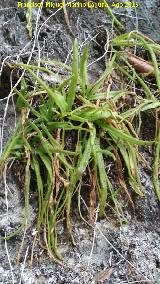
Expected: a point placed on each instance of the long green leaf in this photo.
(120, 134)
(55, 95)
(102, 176)
(73, 84)
(156, 166)
(83, 70)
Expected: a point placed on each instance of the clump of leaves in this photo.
(50, 114)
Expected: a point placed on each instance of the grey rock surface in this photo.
(128, 254)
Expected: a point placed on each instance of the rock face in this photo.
(145, 19)
(107, 253)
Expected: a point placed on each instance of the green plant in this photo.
(29, 18)
(102, 131)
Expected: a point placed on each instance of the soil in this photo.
(104, 254)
